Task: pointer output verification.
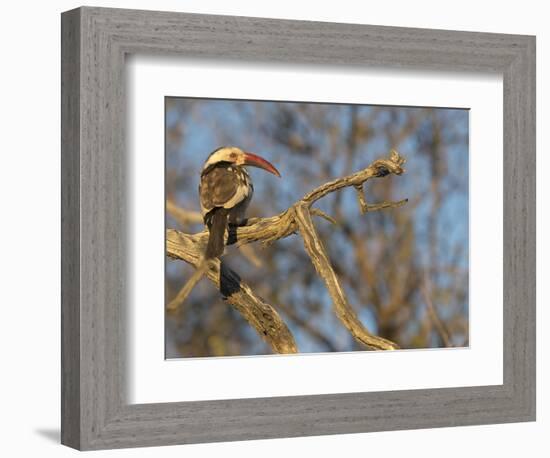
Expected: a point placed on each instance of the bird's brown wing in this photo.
(217, 187)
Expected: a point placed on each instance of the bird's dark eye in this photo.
(233, 155)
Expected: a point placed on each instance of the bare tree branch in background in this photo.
(296, 219)
(434, 316)
(182, 216)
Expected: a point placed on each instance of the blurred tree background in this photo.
(405, 270)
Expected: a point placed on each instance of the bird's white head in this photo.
(236, 156)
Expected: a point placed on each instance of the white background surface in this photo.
(155, 380)
(29, 239)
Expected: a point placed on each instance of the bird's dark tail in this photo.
(217, 223)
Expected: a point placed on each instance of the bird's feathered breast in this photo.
(223, 185)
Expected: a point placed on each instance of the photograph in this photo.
(309, 227)
(275, 229)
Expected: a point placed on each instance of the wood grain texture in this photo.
(96, 413)
(70, 229)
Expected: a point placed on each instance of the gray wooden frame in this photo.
(95, 41)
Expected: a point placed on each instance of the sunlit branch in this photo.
(295, 220)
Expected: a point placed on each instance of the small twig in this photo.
(361, 199)
(322, 214)
(382, 205)
(188, 287)
(364, 207)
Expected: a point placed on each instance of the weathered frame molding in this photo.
(95, 41)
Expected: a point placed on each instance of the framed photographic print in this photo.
(280, 228)
(314, 143)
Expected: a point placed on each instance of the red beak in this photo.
(257, 161)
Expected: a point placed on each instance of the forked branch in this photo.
(296, 219)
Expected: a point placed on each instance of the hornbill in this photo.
(225, 191)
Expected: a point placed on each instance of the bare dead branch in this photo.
(319, 258)
(364, 207)
(379, 168)
(260, 315)
(297, 218)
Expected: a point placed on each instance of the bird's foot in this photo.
(243, 222)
